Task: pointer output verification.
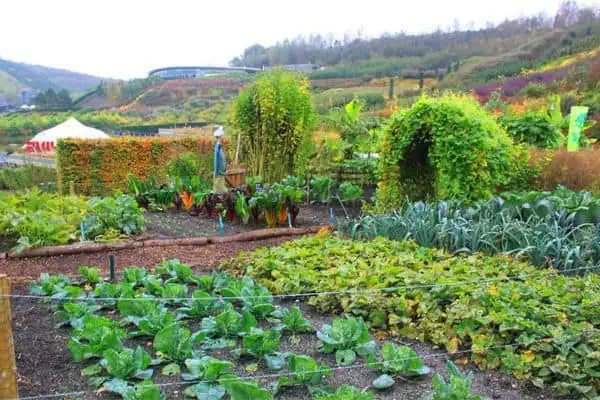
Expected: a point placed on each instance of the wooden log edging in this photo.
(86, 248)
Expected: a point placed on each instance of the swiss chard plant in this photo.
(348, 337)
(397, 361)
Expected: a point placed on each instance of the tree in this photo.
(64, 99)
(273, 116)
(41, 100)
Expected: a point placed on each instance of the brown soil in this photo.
(200, 256)
(179, 224)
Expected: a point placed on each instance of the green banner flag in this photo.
(576, 122)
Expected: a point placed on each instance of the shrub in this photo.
(574, 170)
(27, 177)
(533, 129)
(534, 89)
(443, 148)
(273, 115)
(96, 167)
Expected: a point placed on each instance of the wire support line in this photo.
(299, 295)
(323, 370)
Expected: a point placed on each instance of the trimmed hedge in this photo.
(97, 167)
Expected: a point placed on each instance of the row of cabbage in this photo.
(238, 316)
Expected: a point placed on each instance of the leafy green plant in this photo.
(305, 371)
(128, 363)
(242, 208)
(96, 335)
(49, 284)
(243, 390)
(134, 275)
(142, 391)
(397, 360)
(348, 191)
(174, 270)
(90, 274)
(229, 323)
(533, 129)
(348, 337)
(121, 213)
(292, 320)
(201, 304)
(208, 370)
(347, 393)
(175, 342)
(259, 342)
(457, 388)
(73, 313)
(321, 187)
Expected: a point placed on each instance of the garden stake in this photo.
(221, 226)
(331, 216)
(8, 366)
(289, 220)
(83, 239)
(111, 266)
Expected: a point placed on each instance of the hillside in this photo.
(15, 76)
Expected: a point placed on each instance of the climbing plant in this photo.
(442, 148)
(273, 116)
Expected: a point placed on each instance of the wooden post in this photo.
(8, 366)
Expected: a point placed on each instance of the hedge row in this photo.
(96, 167)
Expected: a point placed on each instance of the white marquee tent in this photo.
(46, 140)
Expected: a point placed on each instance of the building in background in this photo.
(4, 106)
(27, 96)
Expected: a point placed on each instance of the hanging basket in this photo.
(236, 175)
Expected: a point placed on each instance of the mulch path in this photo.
(207, 256)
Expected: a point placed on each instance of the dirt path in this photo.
(198, 256)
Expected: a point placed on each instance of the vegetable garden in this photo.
(459, 279)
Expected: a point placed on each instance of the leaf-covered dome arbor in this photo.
(443, 148)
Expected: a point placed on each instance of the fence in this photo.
(8, 369)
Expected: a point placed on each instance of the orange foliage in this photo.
(575, 170)
(97, 167)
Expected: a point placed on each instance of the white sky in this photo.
(127, 38)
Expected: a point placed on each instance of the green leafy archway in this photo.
(443, 148)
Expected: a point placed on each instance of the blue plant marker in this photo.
(221, 226)
(331, 217)
(289, 220)
(83, 238)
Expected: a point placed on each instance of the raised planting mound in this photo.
(536, 324)
(172, 333)
(447, 147)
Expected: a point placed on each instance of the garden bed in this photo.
(45, 364)
(179, 224)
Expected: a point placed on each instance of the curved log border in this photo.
(86, 248)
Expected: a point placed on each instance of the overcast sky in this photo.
(127, 38)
